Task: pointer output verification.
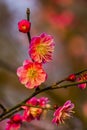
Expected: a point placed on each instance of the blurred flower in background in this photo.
(62, 20)
(84, 109)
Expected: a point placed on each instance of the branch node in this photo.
(28, 13)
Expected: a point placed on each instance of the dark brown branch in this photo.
(18, 106)
(28, 18)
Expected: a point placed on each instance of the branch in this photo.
(3, 108)
(28, 18)
(17, 108)
(80, 72)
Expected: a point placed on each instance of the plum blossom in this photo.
(34, 108)
(24, 26)
(80, 79)
(63, 112)
(62, 20)
(41, 48)
(31, 74)
(14, 122)
(71, 77)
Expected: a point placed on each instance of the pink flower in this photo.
(85, 76)
(71, 77)
(63, 112)
(24, 26)
(41, 48)
(31, 74)
(14, 123)
(33, 111)
(62, 20)
(83, 85)
(42, 102)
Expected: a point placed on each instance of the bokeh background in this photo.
(66, 20)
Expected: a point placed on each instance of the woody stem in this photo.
(28, 18)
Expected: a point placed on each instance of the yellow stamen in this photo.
(35, 111)
(32, 73)
(42, 49)
(24, 27)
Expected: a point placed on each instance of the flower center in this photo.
(42, 49)
(23, 27)
(65, 115)
(35, 111)
(32, 73)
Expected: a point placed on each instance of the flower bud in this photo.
(83, 85)
(71, 77)
(24, 26)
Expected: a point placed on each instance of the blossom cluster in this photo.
(31, 74)
(79, 78)
(35, 107)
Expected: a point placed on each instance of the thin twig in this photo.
(80, 72)
(28, 18)
(3, 108)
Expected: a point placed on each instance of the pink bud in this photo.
(71, 77)
(24, 26)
